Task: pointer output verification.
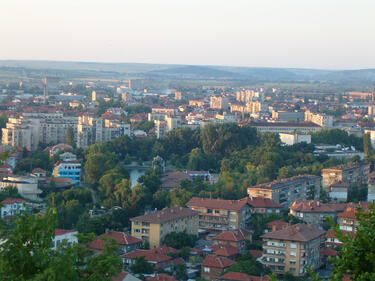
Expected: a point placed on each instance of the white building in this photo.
(321, 119)
(27, 186)
(66, 236)
(291, 139)
(11, 207)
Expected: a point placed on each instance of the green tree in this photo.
(181, 272)
(141, 266)
(70, 136)
(179, 240)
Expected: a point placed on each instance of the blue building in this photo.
(68, 169)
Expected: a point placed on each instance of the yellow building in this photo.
(156, 225)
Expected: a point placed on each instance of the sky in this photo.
(324, 34)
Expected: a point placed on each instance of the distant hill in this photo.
(174, 71)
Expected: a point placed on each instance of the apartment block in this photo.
(219, 102)
(293, 249)
(281, 127)
(91, 130)
(156, 225)
(217, 215)
(321, 119)
(351, 173)
(286, 191)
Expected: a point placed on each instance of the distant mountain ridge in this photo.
(176, 71)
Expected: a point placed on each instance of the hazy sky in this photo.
(331, 34)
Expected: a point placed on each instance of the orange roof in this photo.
(59, 231)
(314, 206)
(329, 252)
(237, 276)
(260, 202)
(120, 237)
(225, 251)
(298, 232)
(217, 261)
(234, 235)
(12, 200)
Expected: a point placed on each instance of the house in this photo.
(156, 225)
(126, 243)
(235, 238)
(213, 266)
(237, 276)
(217, 215)
(156, 259)
(227, 251)
(293, 249)
(160, 277)
(125, 276)
(64, 236)
(286, 191)
(347, 220)
(264, 206)
(315, 212)
(173, 179)
(12, 206)
(27, 186)
(39, 173)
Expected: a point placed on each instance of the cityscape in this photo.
(173, 168)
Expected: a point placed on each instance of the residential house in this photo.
(156, 225)
(126, 243)
(227, 251)
(125, 276)
(264, 206)
(235, 238)
(70, 169)
(286, 191)
(64, 236)
(217, 215)
(347, 220)
(293, 249)
(12, 206)
(338, 192)
(158, 259)
(213, 266)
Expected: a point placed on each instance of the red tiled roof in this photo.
(298, 232)
(350, 211)
(160, 277)
(148, 254)
(260, 202)
(234, 205)
(329, 252)
(178, 261)
(256, 253)
(314, 206)
(217, 261)
(12, 200)
(167, 214)
(59, 231)
(233, 235)
(225, 251)
(120, 237)
(38, 170)
(331, 233)
(237, 276)
(165, 250)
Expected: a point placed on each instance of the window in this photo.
(293, 246)
(292, 253)
(206, 269)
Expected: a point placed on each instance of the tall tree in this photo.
(367, 145)
(70, 136)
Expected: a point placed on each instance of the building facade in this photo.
(286, 191)
(293, 249)
(156, 225)
(217, 215)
